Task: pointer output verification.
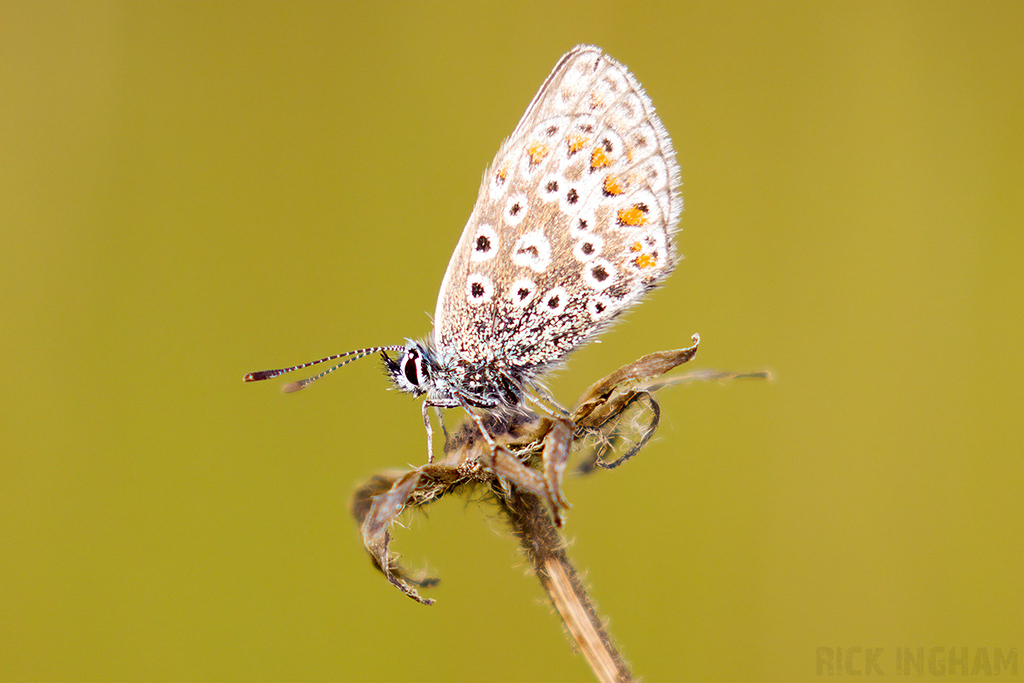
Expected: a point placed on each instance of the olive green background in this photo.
(191, 191)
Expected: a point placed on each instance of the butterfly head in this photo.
(412, 371)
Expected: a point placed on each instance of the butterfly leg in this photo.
(430, 430)
(444, 429)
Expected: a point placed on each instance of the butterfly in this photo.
(573, 225)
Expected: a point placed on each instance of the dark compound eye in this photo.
(411, 367)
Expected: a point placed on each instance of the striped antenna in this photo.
(295, 386)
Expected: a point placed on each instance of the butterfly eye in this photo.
(413, 368)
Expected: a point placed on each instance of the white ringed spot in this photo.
(532, 251)
(516, 208)
(479, 289)
(588, 247)
(554, 301)
(485, 244)
(599, 274)
(521, 292)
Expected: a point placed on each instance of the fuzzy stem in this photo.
(545, 547)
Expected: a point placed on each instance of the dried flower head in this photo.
(615, 414)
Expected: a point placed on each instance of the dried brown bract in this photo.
(616, 415)
(604, 413)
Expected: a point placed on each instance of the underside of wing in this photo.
(573, 224)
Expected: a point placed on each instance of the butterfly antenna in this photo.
(295, 386)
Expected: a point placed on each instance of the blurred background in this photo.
(192, 191)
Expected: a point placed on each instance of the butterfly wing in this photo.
(572, 226)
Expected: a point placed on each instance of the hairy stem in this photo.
(545, 547)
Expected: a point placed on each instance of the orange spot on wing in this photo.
(612, 186)
(537, 152)
(576, 143)
(599, 159)
(636, 246)
(634, 215)
(646, 261)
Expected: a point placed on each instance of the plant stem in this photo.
(545, 547)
